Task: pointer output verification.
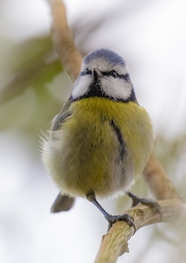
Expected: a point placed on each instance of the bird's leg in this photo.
(148, 202)
(110, 218)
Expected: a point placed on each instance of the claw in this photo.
(125, 217)
(148, 202)
(110, 218)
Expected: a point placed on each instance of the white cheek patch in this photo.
(81, 86)
(116, 88)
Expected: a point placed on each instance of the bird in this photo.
(101, 139)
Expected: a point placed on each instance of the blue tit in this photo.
(102, 138)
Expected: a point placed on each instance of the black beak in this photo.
(96, 73)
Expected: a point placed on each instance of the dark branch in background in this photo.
(114, 243)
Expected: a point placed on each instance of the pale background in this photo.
(151, 36)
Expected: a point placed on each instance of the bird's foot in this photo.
(110, 218)
(125, 217)
(148, 202)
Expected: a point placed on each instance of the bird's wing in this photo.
(61, 117)
(62, 203)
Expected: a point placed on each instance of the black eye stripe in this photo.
(86, 72)
(120, 76)
(111, 73)
(126, 77)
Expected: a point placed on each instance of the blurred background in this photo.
(151, 36)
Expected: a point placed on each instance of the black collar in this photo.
(95, 90)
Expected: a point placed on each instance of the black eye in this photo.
(114, 74)
(87, 72)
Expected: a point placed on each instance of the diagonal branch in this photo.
(114, 243)
(158, 181)
(63, 40)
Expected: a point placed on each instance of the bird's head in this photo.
(104, 74)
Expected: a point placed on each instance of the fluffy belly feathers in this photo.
(100, 147)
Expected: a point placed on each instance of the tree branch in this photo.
(114, 243)
(158, 181)
(63, 41)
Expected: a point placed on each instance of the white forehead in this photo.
(105, 60)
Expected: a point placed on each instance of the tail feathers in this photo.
(62, 203)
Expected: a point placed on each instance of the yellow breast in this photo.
(101, 146)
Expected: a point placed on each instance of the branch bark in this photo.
(63, 40)
(114, 243)
(158, 181)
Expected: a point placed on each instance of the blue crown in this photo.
(106, 54)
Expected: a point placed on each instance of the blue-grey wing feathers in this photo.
(61, 117)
